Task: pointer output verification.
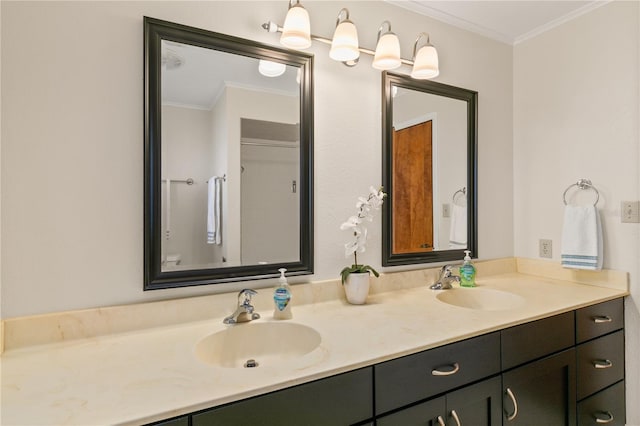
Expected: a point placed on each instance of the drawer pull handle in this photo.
(602, 363)
(454, 370)
(601, 319)
(455, 417)
(515, 405)
(599, 419)
(441, 421)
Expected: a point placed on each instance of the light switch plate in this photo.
(446, 210)
(630, 211)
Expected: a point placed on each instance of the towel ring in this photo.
(582, 184)
(462, 191)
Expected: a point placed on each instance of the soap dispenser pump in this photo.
(282, 298)
(467, 271)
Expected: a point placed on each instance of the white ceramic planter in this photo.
(356, 288)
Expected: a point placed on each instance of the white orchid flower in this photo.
(352, 222)
(366, 207)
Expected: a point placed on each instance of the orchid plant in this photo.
(356, 224)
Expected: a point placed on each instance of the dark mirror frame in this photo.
(471, 98)
(154, 278)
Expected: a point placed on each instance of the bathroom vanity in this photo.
(508, 374)
(410, 354)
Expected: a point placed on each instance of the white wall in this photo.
(576, 106)
(72, 148)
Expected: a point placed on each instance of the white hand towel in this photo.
(214, 212)
(582, 238)
(458, 230)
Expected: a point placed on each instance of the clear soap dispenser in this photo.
(467, 271)
(282, 298)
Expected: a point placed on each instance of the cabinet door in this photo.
(429, 413)
(542, 392)
(477, 405)
(339, 400)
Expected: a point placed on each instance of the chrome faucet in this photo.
(446, 279)
(244, 311)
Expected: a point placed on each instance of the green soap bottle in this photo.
(467, 271)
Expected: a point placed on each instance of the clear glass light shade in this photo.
(296, 32)
(344, 46)
(387, 55)
(271, 69)
(425, 64)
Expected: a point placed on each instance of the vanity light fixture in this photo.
(296, 33)
(425, 60)
(270, 68)
(344, 45)
(387, 56)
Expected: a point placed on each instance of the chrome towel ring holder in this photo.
(462, 191)
(582, 184)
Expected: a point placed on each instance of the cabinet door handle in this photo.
(599, 419)
(455, 417)
(441, 421)
(515, 405)
(454, 369)
(602, 363)
(602, 318)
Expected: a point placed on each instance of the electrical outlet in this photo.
(546, 248)
(446, 210)
(630, 211)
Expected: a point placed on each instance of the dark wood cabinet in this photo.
(344, 399)
(600, 364)
(477, 405)
(542, 392)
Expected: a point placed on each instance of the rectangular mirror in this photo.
(429, 171)
(228, 158)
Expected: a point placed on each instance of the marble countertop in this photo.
(149, 374)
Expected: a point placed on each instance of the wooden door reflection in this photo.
(413, 189)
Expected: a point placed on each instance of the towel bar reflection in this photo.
(582, 184)
(188, 181)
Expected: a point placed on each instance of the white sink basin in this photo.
(484, 299)
(257, 344)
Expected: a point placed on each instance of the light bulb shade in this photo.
(344, 46)
(296, 32)
(270, 68)
(387, 56)
(425, 63)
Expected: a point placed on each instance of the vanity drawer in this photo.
(598, 320)
(527, 342)
(338, 400)
(416, 377)
(605, 407)
(600, 363)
